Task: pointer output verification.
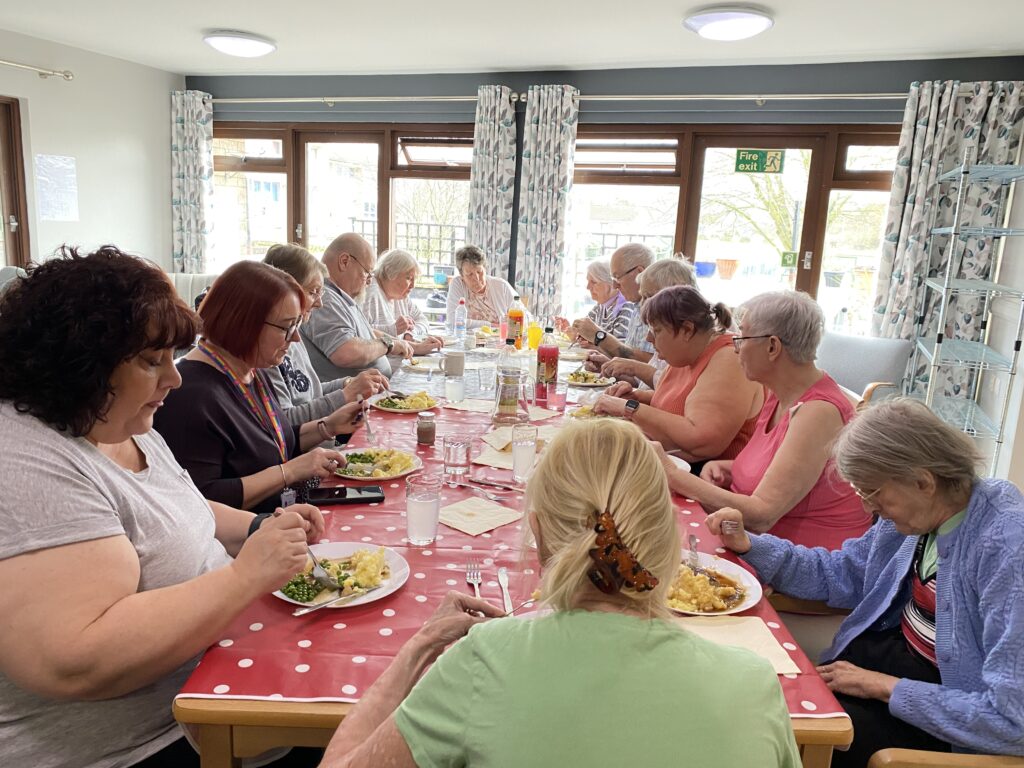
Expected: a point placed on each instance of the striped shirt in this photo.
(636, 332)
(613, 316)
(918, 620)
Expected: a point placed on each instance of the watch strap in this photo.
(632, 406)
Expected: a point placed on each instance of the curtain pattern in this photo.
(940, 124)
(492, 177)
(191, 178)
(549, 142)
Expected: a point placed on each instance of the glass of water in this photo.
(454, 389)
(486, 374)
(422, 508)
(524, 451)
(456, 454)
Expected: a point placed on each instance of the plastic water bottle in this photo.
(459, 320)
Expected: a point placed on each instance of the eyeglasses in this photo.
(367, 272)
(866, 498)
(737, 339)
(287, 330)
(618, 278)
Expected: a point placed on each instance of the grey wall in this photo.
(861, 77)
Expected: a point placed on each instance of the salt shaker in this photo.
(426, 428)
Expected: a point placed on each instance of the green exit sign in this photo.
(760, 160)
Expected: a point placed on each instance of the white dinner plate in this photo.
(338, 549)
(751, 586)
(575, 355)
(417, 465)
(602, 383)
(375, 402)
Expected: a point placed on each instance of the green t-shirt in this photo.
(930, 556)
(584, 688)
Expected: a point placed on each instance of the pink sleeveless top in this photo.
(831, 512)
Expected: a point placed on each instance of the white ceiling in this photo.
(424, 36)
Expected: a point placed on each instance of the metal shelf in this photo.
(980, 231)
(974, 286)
(1001, 173)
(963, 414)
(965, 354)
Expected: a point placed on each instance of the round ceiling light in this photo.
(235, 43)
(728, 22)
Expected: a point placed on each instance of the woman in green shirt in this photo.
(605, 678)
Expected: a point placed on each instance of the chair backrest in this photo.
(9, 273)
(189, 285)
(857, 361)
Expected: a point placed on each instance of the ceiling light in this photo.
(728, 22)
(235, 43)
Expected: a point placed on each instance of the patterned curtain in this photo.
(942, 121)
(191, 178)
(548, 145)
(492, 178)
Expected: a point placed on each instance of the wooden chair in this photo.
(917, 758)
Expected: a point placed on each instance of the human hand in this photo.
(586, 328)
(402, 348)
(717, 473)
(274, 553)
(346, 419)
(365, 383)
(619, 388)
(737, 539)
(317, 462)
(612, 406)
(312, 520)
(402, 324)
(618, 368)
(453, 619)
(844, 677)
(427, 346)
(594, 361)
(561, 324)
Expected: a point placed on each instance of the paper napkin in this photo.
(492, 458)
(748, 632)
(475, 516)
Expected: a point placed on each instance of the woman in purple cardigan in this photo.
(932, 653)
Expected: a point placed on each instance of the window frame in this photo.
(13, 184)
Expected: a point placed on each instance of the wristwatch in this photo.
(389, 344)
(631, 408)
(599, 337)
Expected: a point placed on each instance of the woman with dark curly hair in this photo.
(96, 511)
(225, 424)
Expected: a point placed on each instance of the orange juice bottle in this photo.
(516, 321)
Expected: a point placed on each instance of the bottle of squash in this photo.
(517, 321)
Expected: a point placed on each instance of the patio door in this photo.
(752, 214)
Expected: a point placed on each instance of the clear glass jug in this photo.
(515, 391)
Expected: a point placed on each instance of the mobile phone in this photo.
(346, 495)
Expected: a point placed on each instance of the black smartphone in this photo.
(346, 495)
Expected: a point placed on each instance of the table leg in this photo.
(215, 747)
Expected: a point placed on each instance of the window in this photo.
(341, 190)
(429, 220)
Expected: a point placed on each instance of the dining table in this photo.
(275, 680)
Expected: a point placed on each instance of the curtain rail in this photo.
(65, 74)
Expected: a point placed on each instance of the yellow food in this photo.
(377, 462)
(359, 572)
(695, 592)
(485, 330)
(414, 402)
(585, 412)
(587, 377)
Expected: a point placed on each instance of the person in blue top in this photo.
(932, 653)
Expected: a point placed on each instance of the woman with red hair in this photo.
(224, 424)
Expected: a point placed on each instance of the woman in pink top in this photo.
(783, 481)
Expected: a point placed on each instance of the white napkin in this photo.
(475, 516)
(473, 406)
(748, 632)
(500, 439)
(489, 457)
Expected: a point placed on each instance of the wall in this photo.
(114, 119)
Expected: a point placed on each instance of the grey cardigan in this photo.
(299, 391)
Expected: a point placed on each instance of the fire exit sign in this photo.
(760, 160)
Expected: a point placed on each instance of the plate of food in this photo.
(357, 566)
(414, 403)
(587, 412)
(378, 464)
(717, 588)
(589, 379)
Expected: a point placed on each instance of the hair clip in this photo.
(615, 564)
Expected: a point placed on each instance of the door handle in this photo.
(807, 259)
(12, 223)
(298, 231)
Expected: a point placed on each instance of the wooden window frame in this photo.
(13, 184)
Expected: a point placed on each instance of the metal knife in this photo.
(492, 483)
(506, 598)
(336, 601)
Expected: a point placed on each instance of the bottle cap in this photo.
(510, 341)
(548, 329)
(462, 301)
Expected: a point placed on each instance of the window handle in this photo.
(12, 223)
(807, 259)
(298, 231)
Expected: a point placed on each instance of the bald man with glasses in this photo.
(338, 336)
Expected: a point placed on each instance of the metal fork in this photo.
(730, 527)
(320, 574)
(473, 577)
(478, 491)
(366, 419)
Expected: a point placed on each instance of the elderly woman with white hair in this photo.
(612, 311)
(609, 548)
(386, 304)
(783, 481)
(930, 655)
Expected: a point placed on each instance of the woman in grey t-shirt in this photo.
(117, 573)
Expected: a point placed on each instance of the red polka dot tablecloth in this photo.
(337, 654)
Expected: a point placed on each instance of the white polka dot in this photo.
(385, 632)
(326, 511)
(789, 646)
(358, 659)
(695, 525)
(419, 575)
(404, 540)
(348, 689)
(492, 583)
(340, 626)
(346, 527)
(686, 511)
(503, 547)
(486, 535)
(226, 643)
(427, 553)
(528, 571)
(389, 612)
(325, 541)
(395, 485)
(358, 517)
(691, 501)
(390, 528)
(720, 550)
(366, 538)
(439, 537)
(304, 643)
(245, 663)
(519, 527)
(374, 503)
(810, 706)
(420, 598)
(444, 498)
(301, 668)
(221, 688)
(467, 547)
(790, 676)
(488, 561)
(256, 627)
(451, 582)
(772, 624)
(451, 566)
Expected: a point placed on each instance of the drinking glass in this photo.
(558, 390)
(454, 389)
(524, 451)
(486, 374)
(456, 454)
(422, 508)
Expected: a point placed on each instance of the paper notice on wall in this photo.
(57, 188)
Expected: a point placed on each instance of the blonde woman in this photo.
(605, 678)
(386, 302)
